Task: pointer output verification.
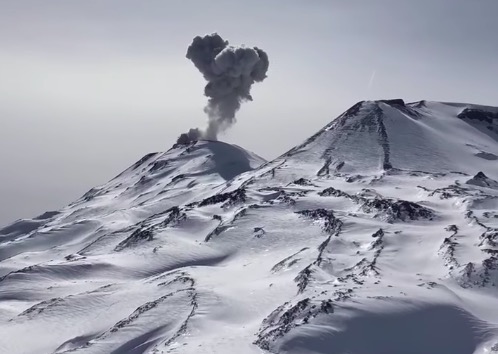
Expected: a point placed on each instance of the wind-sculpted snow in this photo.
(379, 234)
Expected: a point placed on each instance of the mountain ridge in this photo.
(381, 120)
(379, 234)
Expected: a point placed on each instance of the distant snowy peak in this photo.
(203, 157)
(422, 136)
(183, 171)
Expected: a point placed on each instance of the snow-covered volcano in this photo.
(379, 234)
(423, 136)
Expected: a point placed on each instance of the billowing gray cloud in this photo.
(230, 72)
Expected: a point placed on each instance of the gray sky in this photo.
(89, 86)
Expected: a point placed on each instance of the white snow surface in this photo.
(378, 235)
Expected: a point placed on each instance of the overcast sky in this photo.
(89, 86)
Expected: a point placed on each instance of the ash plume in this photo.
(230, 72)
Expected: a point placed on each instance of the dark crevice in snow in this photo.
(383, 138)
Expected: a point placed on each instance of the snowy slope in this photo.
(379, 234)
(424, 136)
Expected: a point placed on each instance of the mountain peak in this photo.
(421, 136)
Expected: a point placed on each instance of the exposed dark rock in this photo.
(174, 217)
(218, 230)
(41, 307)
(281, 321)
(383, 139)
(480, 275)
(487, 155)
(394, 102)
(142, 181)
(136, 237)
(177, 178)
(453, 190)
(394, 209)
(354, 110)
(481, 180)
(477, 114)
(223, 226)
(183, 328)
(332, 225)
(259, 232)
(288, 261)
(303, 182)
(303, 278)
(327, 306)
(331, 191)
(398, 209)
(184, 140)
(142, 160)
(489, 238)
(339, 166)
(146, 233)
(325, 169)
(452, 228)
(158, 165)
(74, 257)
(91, 194)
(419, 104)
(283, 197)
(354, 178)
(379, 233)
(45, 216)
(447, 251)
(231, 198)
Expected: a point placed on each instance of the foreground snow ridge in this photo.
(378, 235)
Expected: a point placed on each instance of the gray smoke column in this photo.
(230, 72)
